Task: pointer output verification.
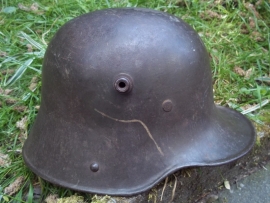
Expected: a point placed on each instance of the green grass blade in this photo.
(254, 108)
(19, 72)
(263, 79)
(33, 42)
(18, 197)
(30, 195)
(8, 59)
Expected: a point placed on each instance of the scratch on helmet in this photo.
(134, 121)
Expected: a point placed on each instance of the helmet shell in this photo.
(126, 100)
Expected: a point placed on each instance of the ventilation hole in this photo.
(122, 84)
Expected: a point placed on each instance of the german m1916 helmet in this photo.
(127, 99)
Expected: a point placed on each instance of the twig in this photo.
(174, 188)
(165, 184)
(45, 33)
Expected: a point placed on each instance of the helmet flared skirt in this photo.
(62, 152)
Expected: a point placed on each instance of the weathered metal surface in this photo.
(126, 100)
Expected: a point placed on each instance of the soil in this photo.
(202, 184)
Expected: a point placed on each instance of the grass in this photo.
(236, 35)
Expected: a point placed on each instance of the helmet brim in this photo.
(228, 136)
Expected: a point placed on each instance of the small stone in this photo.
(211, 198)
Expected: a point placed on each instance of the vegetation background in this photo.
(236, 34)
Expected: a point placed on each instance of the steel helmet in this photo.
(127, 99)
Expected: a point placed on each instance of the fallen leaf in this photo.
(219, 102)
(22, 136)
(247, 106)
(208, 15)
(29, 48)
(20, 108)
(4, 160)
(22, 124)
(243, 14)
(51, 198)
(11, 101)
(238, 70)
(3, 53)
(22, 7)
(15, 186)
(101, 199)
(33, 84)
(34, 7)
(34, 79)
(5, 92)
(244, 29)
(71, 199)
(218, 2)
(252, 23)
(227, 184)
(252, 9)
(248, 73)
(257, 36)
(258, 3)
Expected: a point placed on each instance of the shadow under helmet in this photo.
(127, 99)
